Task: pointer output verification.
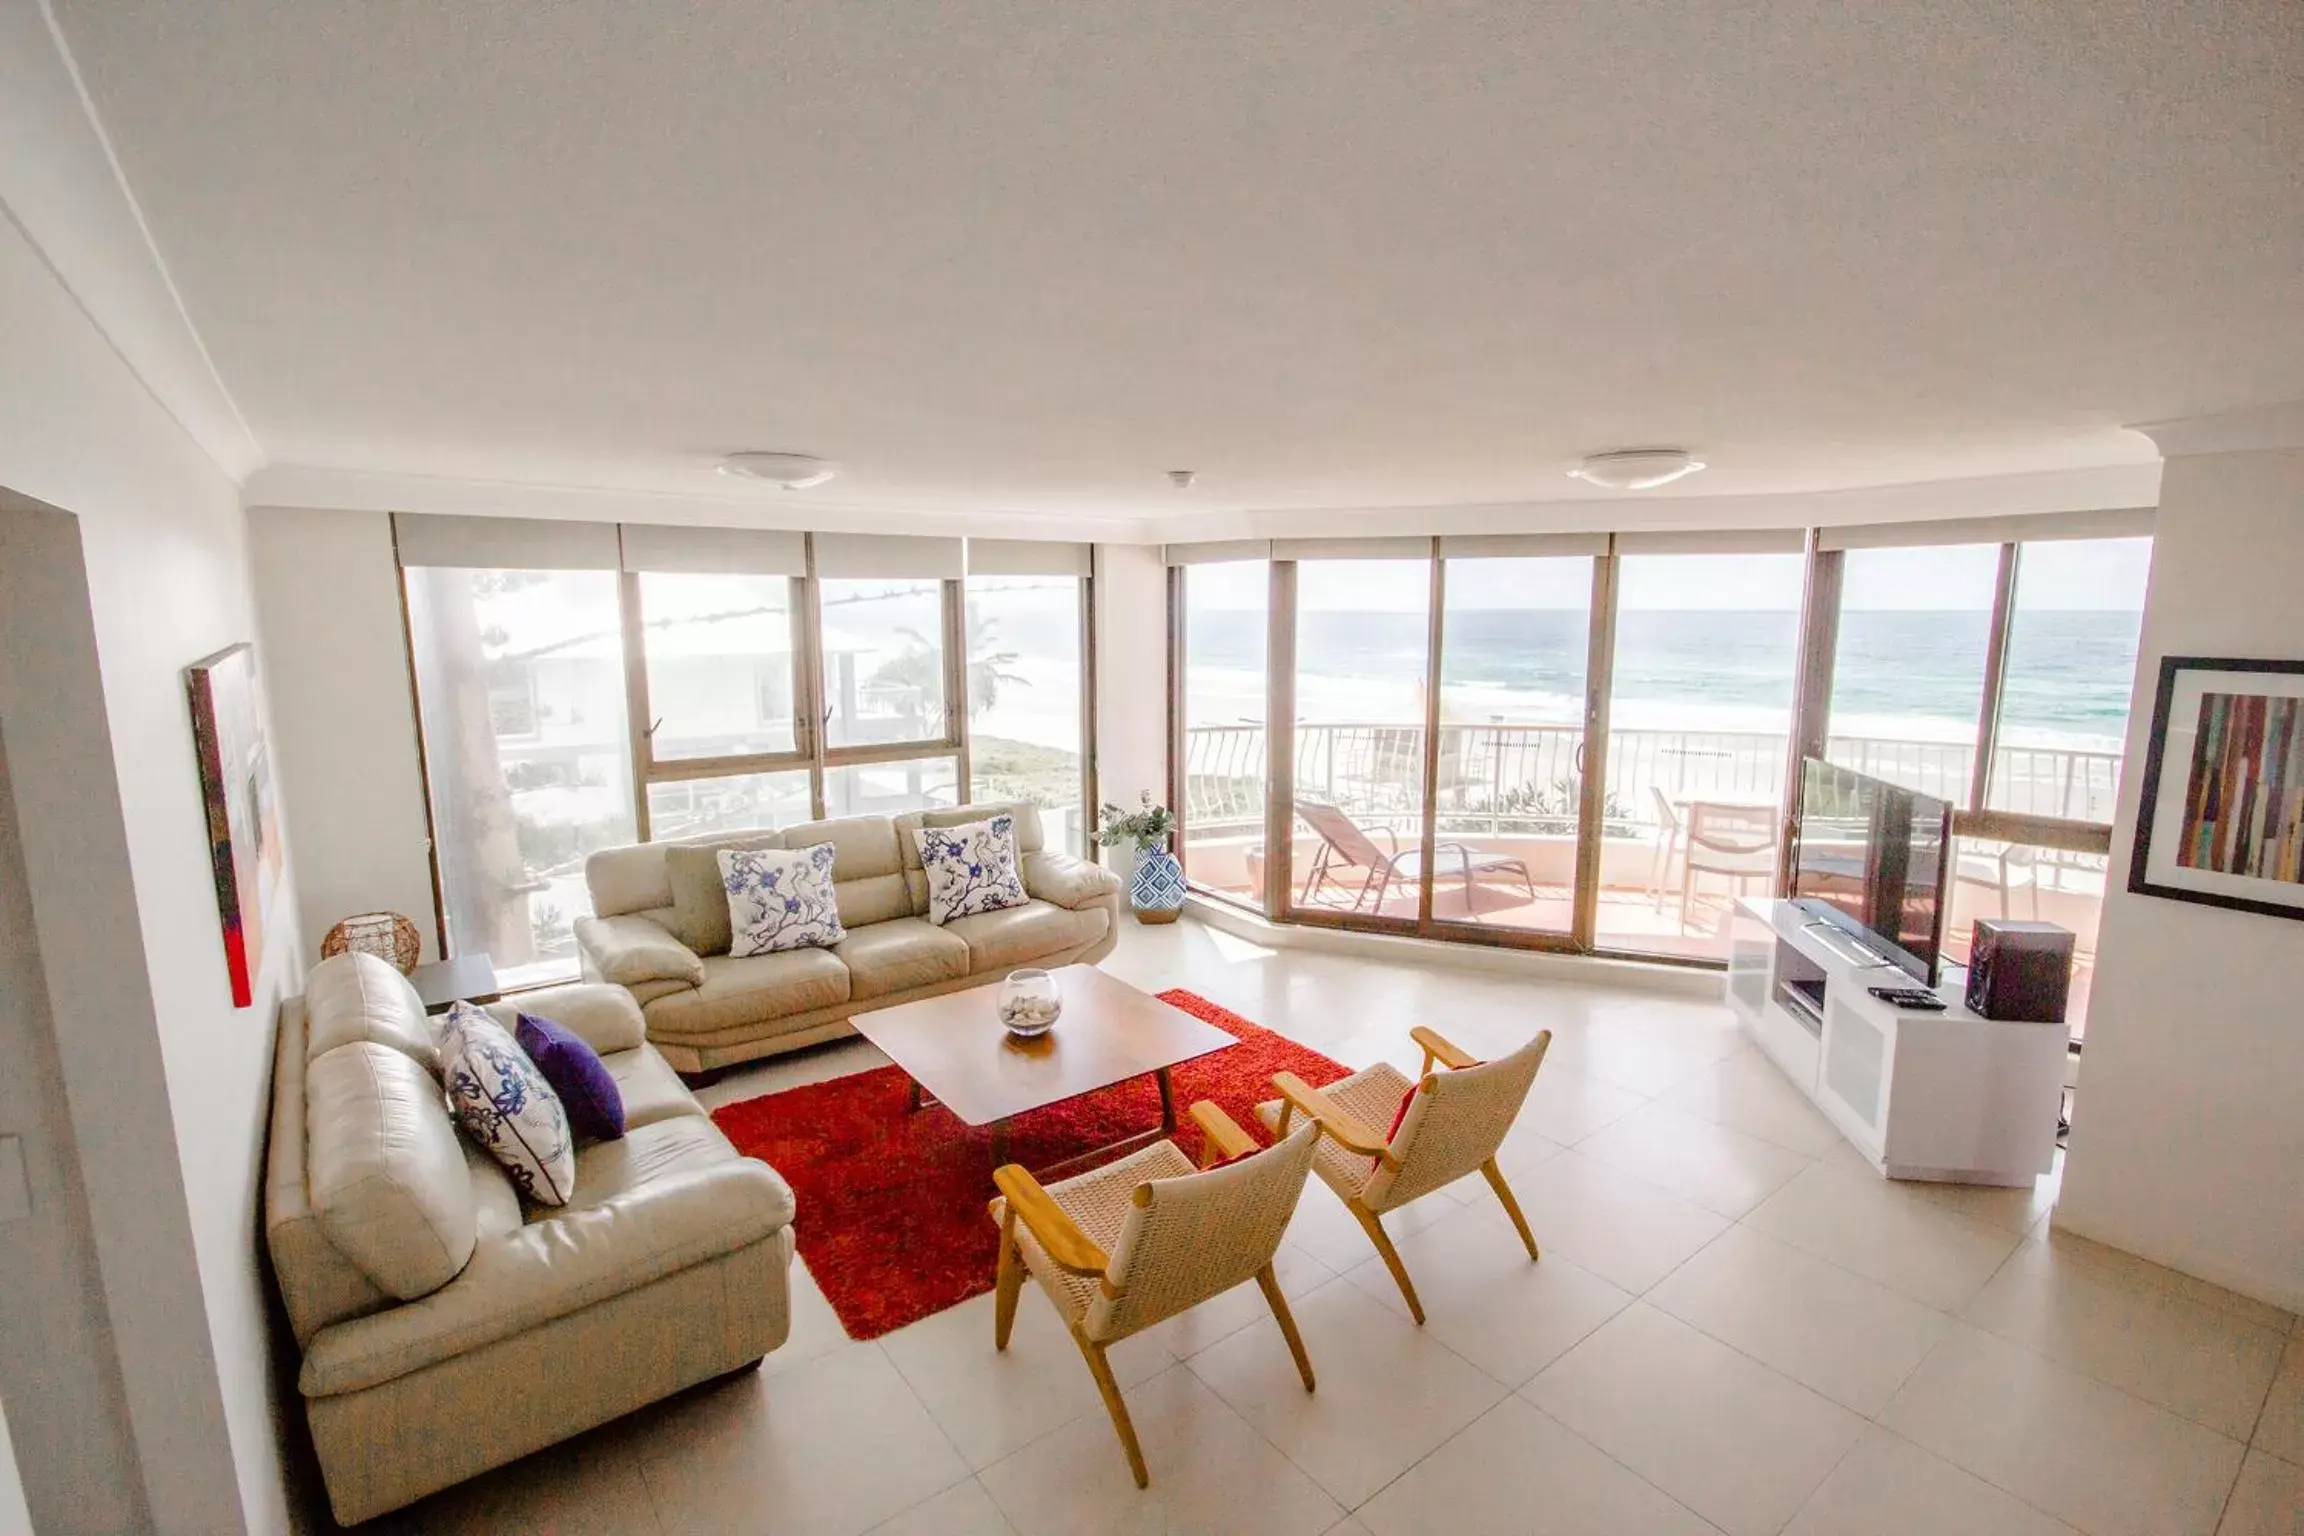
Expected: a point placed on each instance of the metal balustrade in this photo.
(1504, 779)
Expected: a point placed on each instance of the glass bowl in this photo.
(1029, 1003)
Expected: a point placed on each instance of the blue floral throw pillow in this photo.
(971, 868)
(780, 899)
(502, 1102)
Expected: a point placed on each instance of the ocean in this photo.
(1910, 674)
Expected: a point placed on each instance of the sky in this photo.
(2060, 575)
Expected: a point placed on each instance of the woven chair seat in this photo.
(1372, 1097)
(1098, 1202)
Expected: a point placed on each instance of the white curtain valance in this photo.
(1520, 546)
(2113, 523)
(715, 551)
(1396, 548)
(1026, 557)
(892, 556)
(503, 543)
(1217, 551)
(1714, 541)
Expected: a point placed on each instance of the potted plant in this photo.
(1155, 879)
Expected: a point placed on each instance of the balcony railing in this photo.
(1525, 778)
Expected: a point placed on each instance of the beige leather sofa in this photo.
(660, 929)
(445, 1329)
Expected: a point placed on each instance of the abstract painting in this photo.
(243, 808)
(2222, 815)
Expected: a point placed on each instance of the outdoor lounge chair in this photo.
(1344, 845)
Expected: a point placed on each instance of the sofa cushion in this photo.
(1028, 838)
(586, 1088)
(631, 878)
(651, 1090)
(780, 899)
(971, 868)
(614, 1170)
(700, 891)
(998, 941)
(357, 996)
(868, 875)
(898, 955)
(736, 992)
(504, 1103)
(386, 1170)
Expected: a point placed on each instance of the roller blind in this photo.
(1715, 541)
(715, 551)
(1352, 549)
(1499, 546)
(2114, 523)
(1026, 557)
(503, 543)
(886, 555)
(1216, 551)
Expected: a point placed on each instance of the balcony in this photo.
(1508, 795)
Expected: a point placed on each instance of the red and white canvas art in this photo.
(243, 807)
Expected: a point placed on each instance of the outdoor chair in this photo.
(1735, 841)
(1345, 845)
(1444, 1125)
(1140, 1240)
(1667, 843)
(2015, 867)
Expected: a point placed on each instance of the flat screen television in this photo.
(1872, 859)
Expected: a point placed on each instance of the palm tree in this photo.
(920, 668)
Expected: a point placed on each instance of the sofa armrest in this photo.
(553, 1267)
(1064, 881)
(631, 949)
(606, 1017)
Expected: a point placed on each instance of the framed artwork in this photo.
(2222, 815)
(243, 807)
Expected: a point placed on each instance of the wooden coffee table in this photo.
(955, 1050)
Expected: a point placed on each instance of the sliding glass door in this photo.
(1703, 668)
(1515, 671)
(1354, 849)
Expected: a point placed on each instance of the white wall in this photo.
(328, 603)
(2187, 1139)
(1131, 672)
(15, 1519)
(167, 1079)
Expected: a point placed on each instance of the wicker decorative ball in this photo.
(387, 935)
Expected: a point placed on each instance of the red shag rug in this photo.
(891, 1204)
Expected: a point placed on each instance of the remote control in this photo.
(1909, 997)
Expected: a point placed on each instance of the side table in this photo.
(465, 979)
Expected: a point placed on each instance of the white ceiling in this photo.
(1028, 258)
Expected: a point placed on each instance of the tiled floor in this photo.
(1735, 1328)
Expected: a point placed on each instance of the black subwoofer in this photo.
(2019, 972)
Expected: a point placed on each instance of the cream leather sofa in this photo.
(660, 929)
(445, 1329)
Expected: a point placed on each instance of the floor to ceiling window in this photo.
(1026, 650)
(1705, 662)
(1362, 652)
(1908, 672)
(1515, 648)
(583, 685)
(527, 756)
(1223, 609)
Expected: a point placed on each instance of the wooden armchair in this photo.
(1452, 1125)
(1152, 1235)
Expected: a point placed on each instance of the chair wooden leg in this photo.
(1011, 1282)
(1511, 1206)
(1269, 1284)
(1101, 1369)
(1391, 1255)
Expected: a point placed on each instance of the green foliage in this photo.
(1547, 809)
(1148, 826)
(1021, 770)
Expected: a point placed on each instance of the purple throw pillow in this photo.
(577, 1074)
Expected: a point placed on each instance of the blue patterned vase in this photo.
(1156, 889)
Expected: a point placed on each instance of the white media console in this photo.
(1949, 1096)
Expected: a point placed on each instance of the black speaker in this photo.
(2019, 972)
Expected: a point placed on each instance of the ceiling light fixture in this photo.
(1637, 469)
(792, 471)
